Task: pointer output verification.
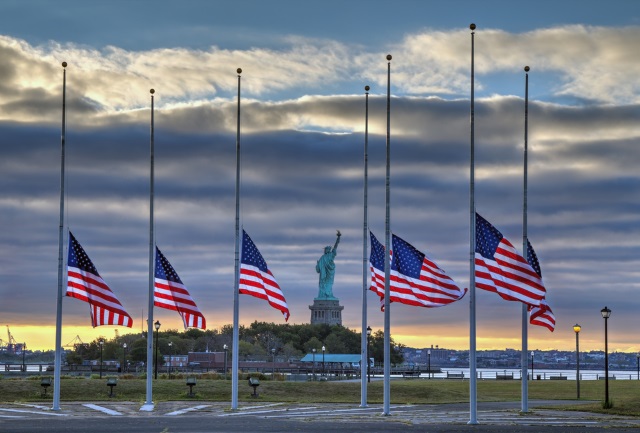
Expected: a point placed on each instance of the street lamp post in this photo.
(429, 362)
(24, 349)
(368, 362)
(157, 326)
(576, 329)
(273, 362)
(606, 313)
(124, 356)
(532, 365)
(170, 363)
(226, 349)
(101, 344)
(323, 349)
(313, 351)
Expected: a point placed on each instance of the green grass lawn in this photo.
(624, 394)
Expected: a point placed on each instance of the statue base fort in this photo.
(326, 311)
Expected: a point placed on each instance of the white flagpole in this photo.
(58, 357)
(525, 311)
(236, 281)
(387, 265)
(364, 359)
(473, 394)
(148, 405)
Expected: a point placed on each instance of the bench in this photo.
(45, 383)
(255, 383)
(111, 382)
(604, 377)
(558, 377)
(455, 375)
(191, 382)
(504, 376)
(410, 374)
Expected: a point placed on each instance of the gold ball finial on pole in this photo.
(366, 88)
(389, 57)
(64, 64)
(239, 71)
(472, 26)
(152, 91)
(526, 69)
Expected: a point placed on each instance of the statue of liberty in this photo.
(327, 270)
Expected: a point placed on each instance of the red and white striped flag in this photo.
(84, 283)
(415, 278)
(257, 280)
(542, 316)
(501, 269)
(170, 293)
(376, 266)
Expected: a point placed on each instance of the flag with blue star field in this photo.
(257, 280)
(542, 315)
(415, 278)
(501, 269)
(85, 283)
(376, 267)
(169, 292)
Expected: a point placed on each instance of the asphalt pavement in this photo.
(217, 417)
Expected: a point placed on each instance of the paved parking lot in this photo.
(217, 413)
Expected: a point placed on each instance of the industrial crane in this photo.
(11, 344)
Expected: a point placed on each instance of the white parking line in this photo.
(102, 409)
(333, 412)
(189, 409)
(260, 407)
(33, 411)
(258, 412)
(37, 406)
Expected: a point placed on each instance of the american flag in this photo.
(170, 293)
(501, 269)
(84, 283)
(376, 266)
(542, 315)
(257, 280)
(415, 278)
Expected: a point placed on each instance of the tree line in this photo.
(258, 341)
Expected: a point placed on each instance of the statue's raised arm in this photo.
(335, 246)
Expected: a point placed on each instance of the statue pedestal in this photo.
(326, 311)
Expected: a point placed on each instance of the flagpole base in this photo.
(147, 407)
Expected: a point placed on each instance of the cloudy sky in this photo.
(305, 65)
